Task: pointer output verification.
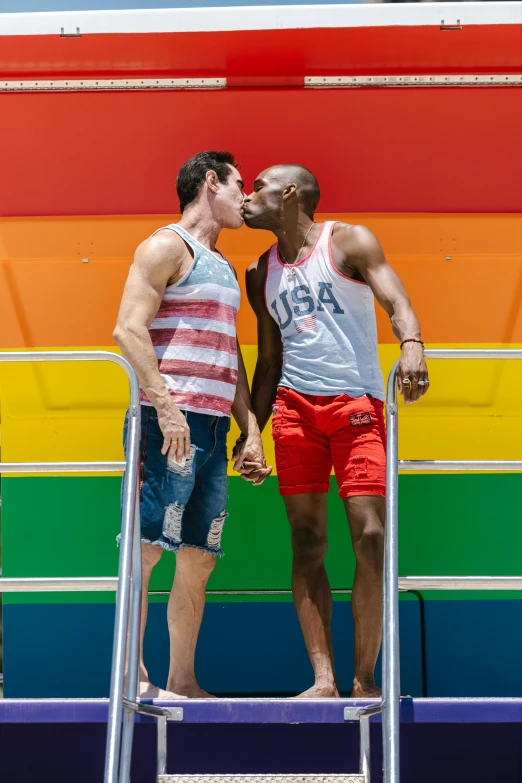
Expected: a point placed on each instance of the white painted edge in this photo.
(184, 20)
(89, 85)
(310, 82)
(412, 80)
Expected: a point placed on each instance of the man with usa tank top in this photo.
(313, 294)
(177, 327)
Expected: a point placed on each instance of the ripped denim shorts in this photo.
(183, 506)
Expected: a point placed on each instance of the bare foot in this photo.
(149, 691)
(191, 691)
(196, 692)
(318, 691)
(365, 689)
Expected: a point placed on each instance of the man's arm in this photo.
(270, 349)
(249, 457)
(157, 262)
(242, 407)
(357, 252)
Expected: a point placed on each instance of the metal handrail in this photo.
(62, 467)
(464, 465)
(58, 584)
(130, 539)
(101, 584)
(390, 650)
(128, 582)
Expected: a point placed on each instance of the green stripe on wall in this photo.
(449, 524)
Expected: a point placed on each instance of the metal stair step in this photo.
(261, 779)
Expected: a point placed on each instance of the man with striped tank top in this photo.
(177, 327)
(318, 366)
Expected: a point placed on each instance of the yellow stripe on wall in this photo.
(74, 412)
(58, 412)
(473, 409)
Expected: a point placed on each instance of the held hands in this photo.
(176, 433)
(249, 459)
(412, 374)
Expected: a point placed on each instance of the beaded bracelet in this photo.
(412, 340)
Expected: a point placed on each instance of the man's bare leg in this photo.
(184, 614)
(311, 589)
(150, 556)
(366, 515)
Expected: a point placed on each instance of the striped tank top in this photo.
(194, 334)
(327, 323)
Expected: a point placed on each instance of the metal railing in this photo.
(128, 582)
(124, 583)
(390, 652)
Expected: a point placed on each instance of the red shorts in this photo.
(312, 433)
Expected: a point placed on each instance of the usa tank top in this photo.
(327, 323)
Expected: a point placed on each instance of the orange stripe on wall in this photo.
(119, 235)
(463, 273)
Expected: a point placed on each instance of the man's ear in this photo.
(289, 191)
(212, 180)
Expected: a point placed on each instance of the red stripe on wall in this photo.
(393, 150)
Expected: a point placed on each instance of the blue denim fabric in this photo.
(184, 506)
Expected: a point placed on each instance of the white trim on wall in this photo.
(261, 18)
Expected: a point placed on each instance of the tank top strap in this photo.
(182, 233)
(272, 259)
(326, 236)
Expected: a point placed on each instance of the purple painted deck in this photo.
(450, 740)
(291, 711)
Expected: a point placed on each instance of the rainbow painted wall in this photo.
(436, 175)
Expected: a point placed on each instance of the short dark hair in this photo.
(191, 175)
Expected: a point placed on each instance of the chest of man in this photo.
(294, 297)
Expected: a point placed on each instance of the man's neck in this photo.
(294, 236)
(201, 225)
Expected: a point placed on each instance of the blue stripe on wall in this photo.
(474, 648)
(53, 651)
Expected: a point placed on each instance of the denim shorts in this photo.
(183, 506)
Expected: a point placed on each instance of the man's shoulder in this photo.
(258, 267)
(353, 238)
(161, 258)
(255, 280)
(163, 241)
(351, 230)
(163, 248)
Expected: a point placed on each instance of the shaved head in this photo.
(308, 191)
(280, 193)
